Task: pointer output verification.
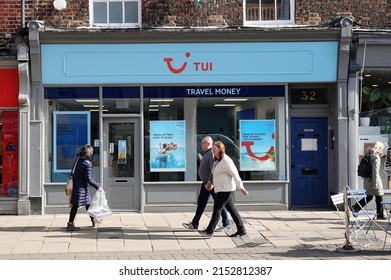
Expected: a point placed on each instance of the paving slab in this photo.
(271, 235)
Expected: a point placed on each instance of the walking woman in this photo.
(225, 180)
(374, 185)
(82, 177)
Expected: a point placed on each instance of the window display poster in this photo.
(167, 146)
(71, 131)
(122, 151)
(257, 145)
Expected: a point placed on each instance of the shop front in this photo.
(9, 139)
(145, 106)
(370, 91)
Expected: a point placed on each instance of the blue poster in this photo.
(71, 130)
(257, 145)
(122, 150)
(167, 146)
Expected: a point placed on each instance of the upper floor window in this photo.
(268, 12)
(116, 13)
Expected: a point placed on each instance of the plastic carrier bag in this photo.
(99, 207)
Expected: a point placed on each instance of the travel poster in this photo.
(167, 146)
(122, 149)
(257, 145)
(71, 131)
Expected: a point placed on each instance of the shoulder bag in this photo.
(69, 184)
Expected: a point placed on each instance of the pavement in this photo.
(271, 235)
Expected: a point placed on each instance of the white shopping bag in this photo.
(99, 207)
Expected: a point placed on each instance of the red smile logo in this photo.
(198, 65)
(254, 157)
(174, 70)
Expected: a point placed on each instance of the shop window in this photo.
(162, 155)
(252, 127)
(376, 99)
(9, 154)
(74, 111)
(268, 12)
(72, 121)
(116, 13)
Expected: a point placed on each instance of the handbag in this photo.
(69, 188)
(69, 184)
(99, 207)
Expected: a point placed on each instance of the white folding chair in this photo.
(387, 208)
(359, 223)
(364, 216)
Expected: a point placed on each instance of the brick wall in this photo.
(211, 13)
(183, 13)
(368, 13)
(75, 15)
(10, 23)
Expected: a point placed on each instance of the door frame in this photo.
(135, 119)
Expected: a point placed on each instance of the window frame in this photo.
(53, 97)
(275, 22)
(115, 25)
(259, 106)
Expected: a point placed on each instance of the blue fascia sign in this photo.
(179, 63)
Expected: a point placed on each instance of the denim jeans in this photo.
(202, 201)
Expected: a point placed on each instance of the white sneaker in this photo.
(223, 228)
(189, 225)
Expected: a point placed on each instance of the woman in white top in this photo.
(225, 180)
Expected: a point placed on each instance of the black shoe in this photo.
(95, 221)
(71, 227)
(354, 211)
(205, 233)
(238, 234)
(381, 218)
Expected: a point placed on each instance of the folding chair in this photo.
(387, 208)
(354, 196)
(359, 223)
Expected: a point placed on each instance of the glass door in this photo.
(121, 163)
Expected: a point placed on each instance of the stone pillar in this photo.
(35, 141)
(24, 132)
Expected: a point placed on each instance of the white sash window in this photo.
(116, 13)
(268, 12)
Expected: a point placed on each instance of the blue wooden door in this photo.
(309, 164)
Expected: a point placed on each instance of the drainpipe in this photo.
(353, 113)
(22, 13)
